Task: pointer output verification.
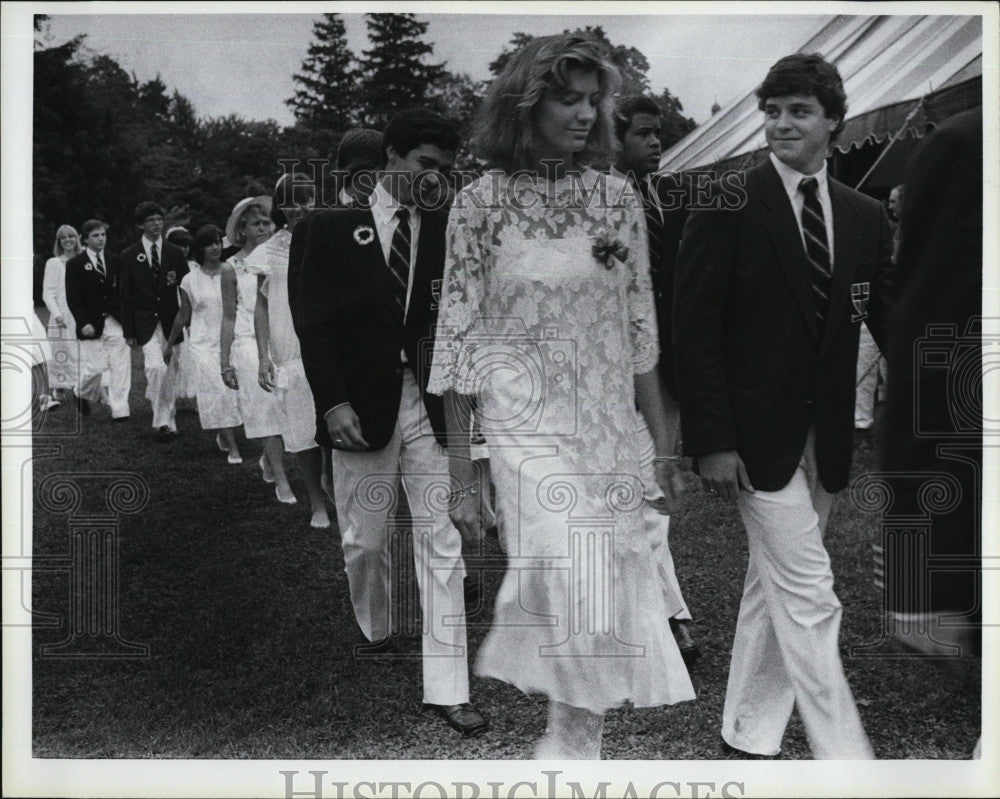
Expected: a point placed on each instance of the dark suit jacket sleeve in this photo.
(125, 289)
(296, 251)
(882, 296)
(706, 265)
(317, 311)
(75, 297)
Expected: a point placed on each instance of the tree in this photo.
(395, 72)
(675, 125)
(328, 94)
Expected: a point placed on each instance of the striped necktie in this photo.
(817, 249)
(100, 267)
(154, 259)
(399, 257)
(654, 225)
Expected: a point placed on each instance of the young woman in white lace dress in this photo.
(547, 324)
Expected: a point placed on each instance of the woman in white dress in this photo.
(184, 382)
(548, 327)
(281, 369)
(201, 312)
(263, 415)
(64, 365)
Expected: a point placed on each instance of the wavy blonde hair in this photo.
(505, 133)
(57, 249)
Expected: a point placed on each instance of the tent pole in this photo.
(892, 141)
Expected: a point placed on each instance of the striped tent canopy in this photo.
(901, 73)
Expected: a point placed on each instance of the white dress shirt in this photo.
(790, 179)
(147, 246)
(92, 255)
(384, 208)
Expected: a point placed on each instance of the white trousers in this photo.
(871, 367)
(161, 381)
(658, 527)
(786, 651)
(365, 492)
(108, 353)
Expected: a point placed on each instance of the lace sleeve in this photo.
(643, 333)
(461, 301)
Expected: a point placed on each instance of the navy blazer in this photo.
(92, 298)
(146, 300)
(351, 329)
(753, 372)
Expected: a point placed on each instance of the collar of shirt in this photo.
(791, 178)
(345, 198)
(384, 207)
(147, 244)
(92, 255)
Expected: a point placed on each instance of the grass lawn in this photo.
(246, 614)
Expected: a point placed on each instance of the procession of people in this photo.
(566, 320)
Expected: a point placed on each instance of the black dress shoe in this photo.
(730, 752)
(685, 641)
(83, 406)
(166, 434)
(464, 718)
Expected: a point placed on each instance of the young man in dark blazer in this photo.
(92, 294)
(638, 128)
(769, 297)
(366, 316)
(152, 269)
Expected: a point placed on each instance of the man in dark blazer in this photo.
(360, 150)
(92, 294)
(933, 428)
(367, 308)
(638, 129)
(152, 269)
(769, 297)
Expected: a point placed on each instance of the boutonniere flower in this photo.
(88, 267)
(364, 234)
(171, 278)
(141, 258)
(607, 249)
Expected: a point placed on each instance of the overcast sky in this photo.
(243, 63)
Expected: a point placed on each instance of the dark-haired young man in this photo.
(638, 128)
(366, 316)
(92, 285)
(768, 302)
(152, 269)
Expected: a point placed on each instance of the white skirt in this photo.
(218, 405)
(299, 433)
(262, 411)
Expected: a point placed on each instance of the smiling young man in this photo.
(366, 317)
(768, 303)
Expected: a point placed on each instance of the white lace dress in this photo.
(549, 337)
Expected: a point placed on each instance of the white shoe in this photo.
(234, 458)
(320, 520)
(221, 443)
(286, 496)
